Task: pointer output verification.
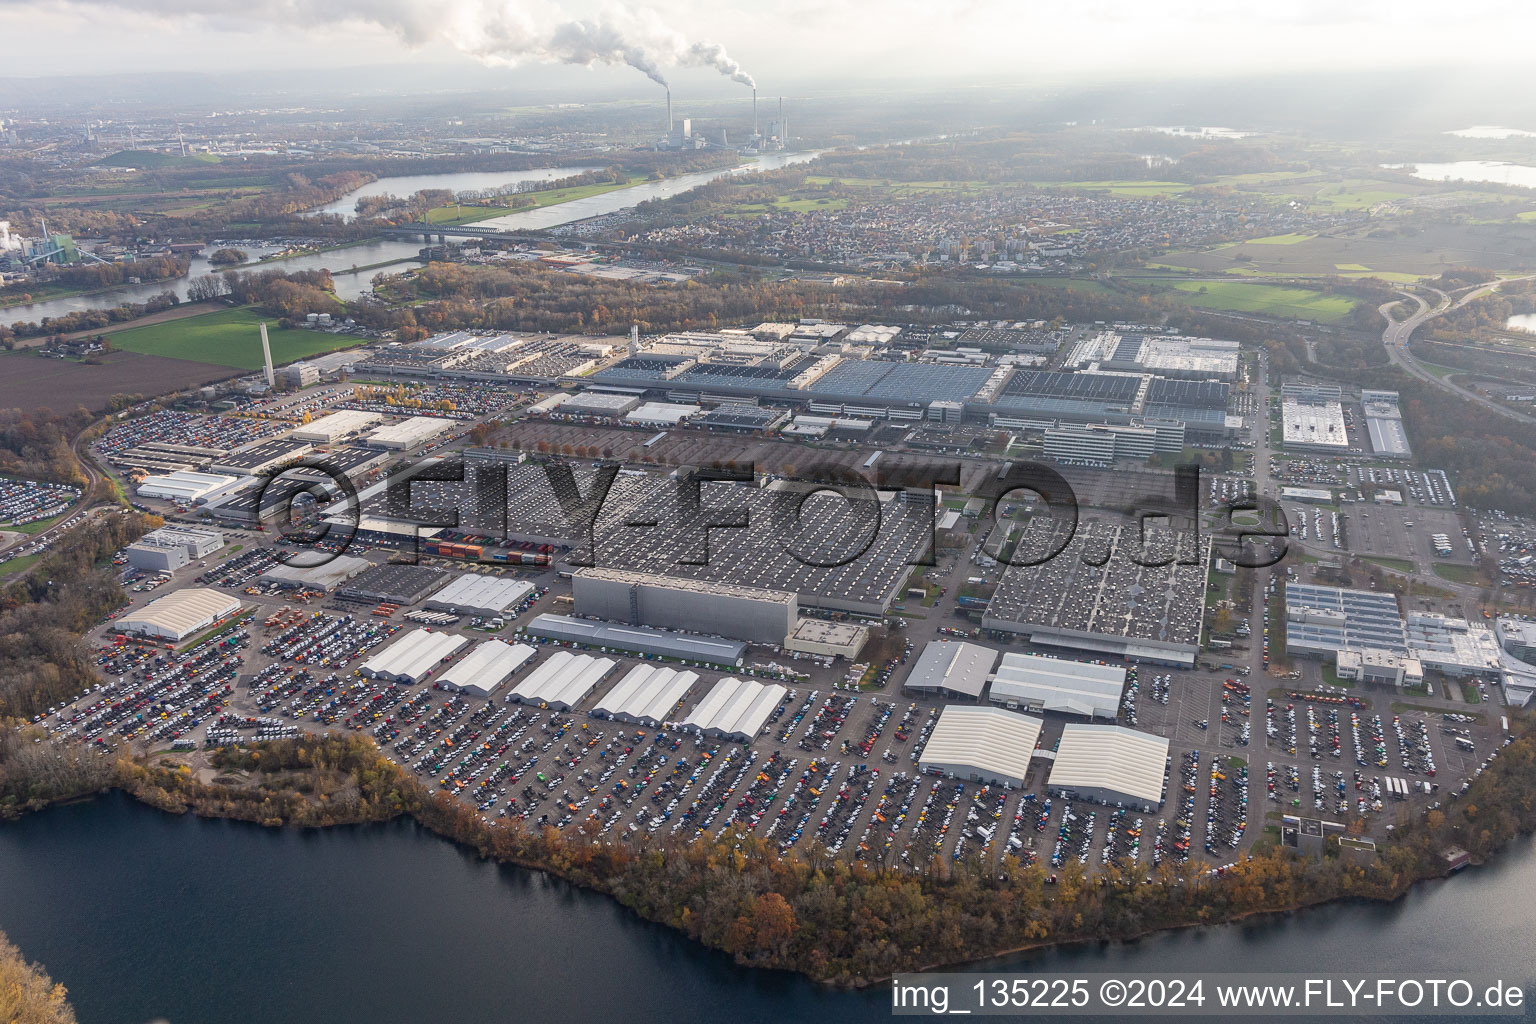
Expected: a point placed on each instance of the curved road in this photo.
(1398, 333)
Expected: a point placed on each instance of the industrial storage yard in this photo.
(606, 623)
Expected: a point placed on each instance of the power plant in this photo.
(680, 133)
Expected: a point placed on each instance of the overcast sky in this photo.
(779, 40)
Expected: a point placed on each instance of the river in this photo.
(351, 285)
(462, 181)
(144, 915)
(338, 261)
(624, 198)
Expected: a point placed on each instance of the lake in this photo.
(1492, 131)
(144, 915)
(1496, 171)
(465, 181)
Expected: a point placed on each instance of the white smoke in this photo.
(500, 32)
(713, 55)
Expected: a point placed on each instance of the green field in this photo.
(1270, 300)
(227, 338)
(1402, 565)
(1290, 239)
(1457, 573)
(18, 565)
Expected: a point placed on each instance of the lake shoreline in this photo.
(612, 871)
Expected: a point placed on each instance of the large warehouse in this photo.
(952, 669)
(473, 594)
(410, 659)
(647, 695)
(485, 668)
(399, 584)
(981, 744)
(177, 616)
(1111, 765)
(648, 599)
(325, 576)
(183, 485)
(562, 680)
(736, 709)
(338, 426)
(409, 432)
(638, 639)
(1038, 683)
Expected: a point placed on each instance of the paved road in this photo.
(1398, 332)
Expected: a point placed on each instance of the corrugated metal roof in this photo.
(1113, 758)
(646, 693)
(736, 707)
(180, 613)
(487, 666)
(990, 741)
(959, 667)
(477, 593)
(1058, 684)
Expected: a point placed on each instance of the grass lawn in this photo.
(1457, 573)
(18, 565)
(1127, 189)
(228, 338)
(1402, 565)
(1290, 239)
(36, 527)
(1271, 300)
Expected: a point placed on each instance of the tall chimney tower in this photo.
(669, 111)
(266, 356)
(754, 110)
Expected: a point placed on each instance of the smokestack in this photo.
(669, 110)
(754, 110)
(266, 356)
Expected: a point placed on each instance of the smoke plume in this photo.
(502, 32)
(713, 55)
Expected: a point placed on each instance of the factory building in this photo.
(981, 744)
(828, 639)
(411, 659)
(397, 584)
(598, 404)
(179, 615)
(951, 669)
(156, 557)
(409, 432)
(562, 680)
(736, 709)
(647, 695)
(1103, 444)
(1313, 426)
(485, 668)
(660, 643)
(487, 596)
(262, 457)
(338, 426)
(183, 486)
(1111, 765)
(324, 576)
(299, 375)
(1384, 424)
(1038, 683)
(198, 541)
(647, 599)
